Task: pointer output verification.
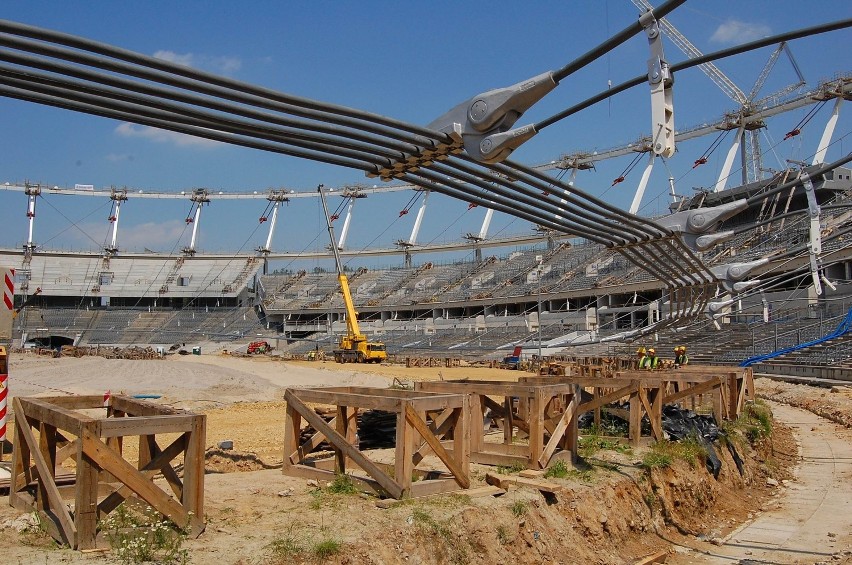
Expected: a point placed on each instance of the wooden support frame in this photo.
(100, 465)
(546, 413)
(415, 438)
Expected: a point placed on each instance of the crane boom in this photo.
(354, 347)
(342, 279)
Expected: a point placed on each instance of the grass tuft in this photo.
(559, 470)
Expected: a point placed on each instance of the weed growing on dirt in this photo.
(285, 548)
(582, 475)
(503, 535)
(342, 484)
(137, 537)
(594, 441)
(559, 470)
(664, 453)
(510, 469)
(326, 548)
(329, 495)
(519, 508)
(456, 551)
(650, 499)
(757, 421)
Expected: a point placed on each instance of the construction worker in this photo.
(681, 358)
(640, 358)
(651, 361)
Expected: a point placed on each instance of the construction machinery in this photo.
(513, 361)
(354, 347)
(26, 303)
(258, 348)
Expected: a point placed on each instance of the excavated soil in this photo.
(610, 510)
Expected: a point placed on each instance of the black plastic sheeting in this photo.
(680, 423)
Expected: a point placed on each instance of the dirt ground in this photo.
(608, 510)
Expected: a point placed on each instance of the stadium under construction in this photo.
(763, 268)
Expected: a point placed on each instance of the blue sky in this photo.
(412, 61)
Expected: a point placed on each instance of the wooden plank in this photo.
(166, 469)
(733, 395)
(557, 435)
(328, 475)
(193, 472)
(146, 425)
(136, 481)
(334, 438)
(47, 449)
(606, 399)
(151, 468)
(341, 421)
(22, 473)
(498, 459)
(45, 475)
(461, 436)
(67, 450)
(503, 449)
(536, 429)
(404, 454)
(292, 430)
(55, 416)
(372, 402)
(505, 481)
(656, 428)
(692, 390)
(459, 472)
(73, 402)
(508, 424)
(634, 421)
(434, 486)
(310, 444)
(135, 407)
(86, 499)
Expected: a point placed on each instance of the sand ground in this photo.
(243, 401)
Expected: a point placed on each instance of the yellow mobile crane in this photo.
(354, 347)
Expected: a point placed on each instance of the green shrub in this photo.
(559, 470)
(326, 548)
(342, 484)
(664, 453)
(519, 508)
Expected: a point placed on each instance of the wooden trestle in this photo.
(416, 437)
(446, 418)
(546, 412)
(95, 442)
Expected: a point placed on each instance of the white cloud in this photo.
(185, 59)
(159, 236)
(734, 31)
(162, 136)
(224, 64)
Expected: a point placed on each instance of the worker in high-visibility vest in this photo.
(681, 358)
(651, 361)
(640, 358)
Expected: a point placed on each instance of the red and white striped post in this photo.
(4, 390)
(7, 304)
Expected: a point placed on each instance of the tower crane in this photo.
(752, 161)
